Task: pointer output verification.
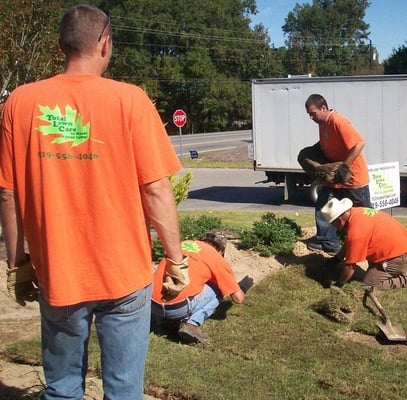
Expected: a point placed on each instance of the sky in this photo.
(387, 20)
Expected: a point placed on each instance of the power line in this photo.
(142, 22)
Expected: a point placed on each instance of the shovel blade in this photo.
(393, 332)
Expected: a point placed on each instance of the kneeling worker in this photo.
(370, 235)
(211, 279)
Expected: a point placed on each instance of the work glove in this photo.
(342, 174)
(246, 283)
(176, 278)
(334, 261)
(22, 283)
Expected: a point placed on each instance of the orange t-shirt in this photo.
(205, 265)
(76, 148)
(374, 236)
(337, 136)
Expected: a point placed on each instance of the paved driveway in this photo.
(237, 190)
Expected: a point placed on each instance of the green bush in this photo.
(271, 235)
(191, 229)
(194, 228)
(180, 186)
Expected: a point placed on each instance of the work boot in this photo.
(192, 333)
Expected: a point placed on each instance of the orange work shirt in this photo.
(205, 265)
(76, 149)
(337, 136)
(374, 236)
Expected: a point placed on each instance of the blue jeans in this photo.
(326, 233)
(122, 326)
(198, 309)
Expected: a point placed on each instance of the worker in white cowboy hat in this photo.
(370, 235)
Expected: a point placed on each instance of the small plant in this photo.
(180, 186)
(191, 229)
(271, 235)
(194, 228)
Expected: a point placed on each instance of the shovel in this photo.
(392, 332)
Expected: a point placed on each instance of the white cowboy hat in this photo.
(335, 208)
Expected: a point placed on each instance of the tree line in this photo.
(198, 55)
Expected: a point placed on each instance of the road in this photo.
(204, 142)
(216, 189)
(236, 189)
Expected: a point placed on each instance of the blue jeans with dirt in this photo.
(326, 234)
(122, 327)
(195, 311)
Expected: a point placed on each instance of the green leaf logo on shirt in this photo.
(192, 247)
(370, 211)
(68, 126)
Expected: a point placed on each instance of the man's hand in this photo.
(176, 278)
(22, 283)
(246, 283)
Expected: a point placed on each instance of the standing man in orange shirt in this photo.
(84, 166)
(3, 97)
(338, 141)
(371, 235)
(211, 279)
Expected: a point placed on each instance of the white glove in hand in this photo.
(176, 278)
(22, 283)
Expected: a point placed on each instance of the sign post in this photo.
(180, 118)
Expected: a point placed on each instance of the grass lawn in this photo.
(283, 343)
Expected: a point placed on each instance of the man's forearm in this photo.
(354, 153)
(12, 228)
(159, 206)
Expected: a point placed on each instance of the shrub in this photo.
(180, 186)
(271, 235)
(191, 229)
(194, 228)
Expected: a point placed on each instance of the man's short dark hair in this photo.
(80, 29)
(316, 100)
(216, 239)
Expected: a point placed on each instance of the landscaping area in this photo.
(295, 337)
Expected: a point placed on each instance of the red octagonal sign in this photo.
(179, 118)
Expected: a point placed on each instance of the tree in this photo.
(328, 37)
(199, 56)
(397, 62)
(28, 41)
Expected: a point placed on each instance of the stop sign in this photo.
(179, 118)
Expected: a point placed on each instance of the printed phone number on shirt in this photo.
(68, 156)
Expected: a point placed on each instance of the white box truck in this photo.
(375, 104)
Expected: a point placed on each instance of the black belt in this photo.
(174, 306)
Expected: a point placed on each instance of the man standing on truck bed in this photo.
(338, 141)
